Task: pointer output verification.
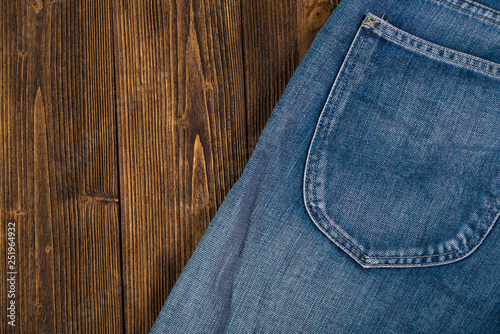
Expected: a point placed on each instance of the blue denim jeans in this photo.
(370, 202)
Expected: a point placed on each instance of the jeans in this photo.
(369, 204)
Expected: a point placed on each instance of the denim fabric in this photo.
(369, 204)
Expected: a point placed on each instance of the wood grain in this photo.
(58, 175)
(276, 36)
(182, 136)
(123, 125)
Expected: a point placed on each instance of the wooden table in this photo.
(123, 124)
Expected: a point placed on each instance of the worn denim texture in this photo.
(369, 204)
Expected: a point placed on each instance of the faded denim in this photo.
(369, 204)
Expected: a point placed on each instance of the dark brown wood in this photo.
(58, 167)
(276, 36)
(182, 136)
(123, 125)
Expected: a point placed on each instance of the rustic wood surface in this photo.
(123, 125)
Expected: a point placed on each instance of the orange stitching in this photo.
(370, 22)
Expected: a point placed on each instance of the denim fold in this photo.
(370, 202)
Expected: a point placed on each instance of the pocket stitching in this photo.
(311, 181)
(396, 30)
(472, 13)
(483, 221)
(366, 256)
(316, 163)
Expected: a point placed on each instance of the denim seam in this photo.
(438, 47)
(432, 54)
(340, 234)
(472, 13)
(477, 4)
(434, 263)
(310, 181)
(467, 252)
(483, 220)
(423, 41)
(322, 133)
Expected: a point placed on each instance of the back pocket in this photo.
(404, 166)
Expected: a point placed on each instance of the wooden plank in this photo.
(311, 15)
(276, 36)
(182, 136)
(58, 174)
(183, 142)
